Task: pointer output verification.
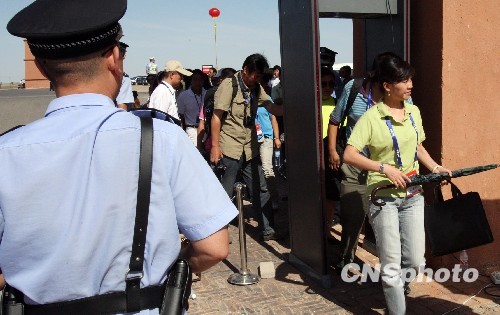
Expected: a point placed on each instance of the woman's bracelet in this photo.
(435, 168)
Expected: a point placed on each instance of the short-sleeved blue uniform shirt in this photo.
(68, 192)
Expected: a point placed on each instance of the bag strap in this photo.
(438, 193)
(235, 87)
(235, 91)
(136, 272)
(356, 85)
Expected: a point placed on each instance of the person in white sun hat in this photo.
(163, 97)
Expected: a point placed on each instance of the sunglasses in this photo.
(122, 47)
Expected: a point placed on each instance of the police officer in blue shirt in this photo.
(68, 181)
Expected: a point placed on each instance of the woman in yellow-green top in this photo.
(393, 132)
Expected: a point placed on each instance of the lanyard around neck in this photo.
(395, 140)
(369, 100)
(248, 98)
(173, 93)
(196, 99)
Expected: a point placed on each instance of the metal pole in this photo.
(215, 37)
(244, 277)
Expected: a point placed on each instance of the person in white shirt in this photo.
(163, 97)
(190, 103)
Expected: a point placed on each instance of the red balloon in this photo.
(214, 12)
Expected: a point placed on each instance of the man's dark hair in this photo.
(227, 72)
(327, 71)
(161, 76)
(267, 76)
(276, 67)
(197, 72)
(256, 62)
(346, 68)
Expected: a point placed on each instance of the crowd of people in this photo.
(83, 222)
(227, 115)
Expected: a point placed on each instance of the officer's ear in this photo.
(114, 59)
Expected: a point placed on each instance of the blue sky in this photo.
(183, 30)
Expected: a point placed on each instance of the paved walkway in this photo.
(291, 292)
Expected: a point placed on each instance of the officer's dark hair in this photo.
(256, 62)
(67, 71)
(391, 68)
(227, 72)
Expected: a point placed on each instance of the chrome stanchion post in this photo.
(244, 277)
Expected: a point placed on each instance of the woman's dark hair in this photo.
(327, 71)
(390, 68)
(256, 62)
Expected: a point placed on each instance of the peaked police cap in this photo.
(60, 29)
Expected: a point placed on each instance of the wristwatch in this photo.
(381, 168)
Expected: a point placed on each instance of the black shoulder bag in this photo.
(456, 224)
(171, 297)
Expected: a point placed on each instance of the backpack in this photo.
(209, 103)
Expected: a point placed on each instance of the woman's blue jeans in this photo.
(400, 235)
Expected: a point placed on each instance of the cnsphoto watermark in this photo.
(353, 272)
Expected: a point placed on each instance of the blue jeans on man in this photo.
(256, 184)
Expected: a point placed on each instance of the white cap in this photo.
(175, 65)
(152, 58)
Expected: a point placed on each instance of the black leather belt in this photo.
(191, 126)
(111, 303)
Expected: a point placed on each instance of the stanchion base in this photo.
(243, 279)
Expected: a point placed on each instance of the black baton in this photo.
(178, 289)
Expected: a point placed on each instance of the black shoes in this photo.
(273, 236)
